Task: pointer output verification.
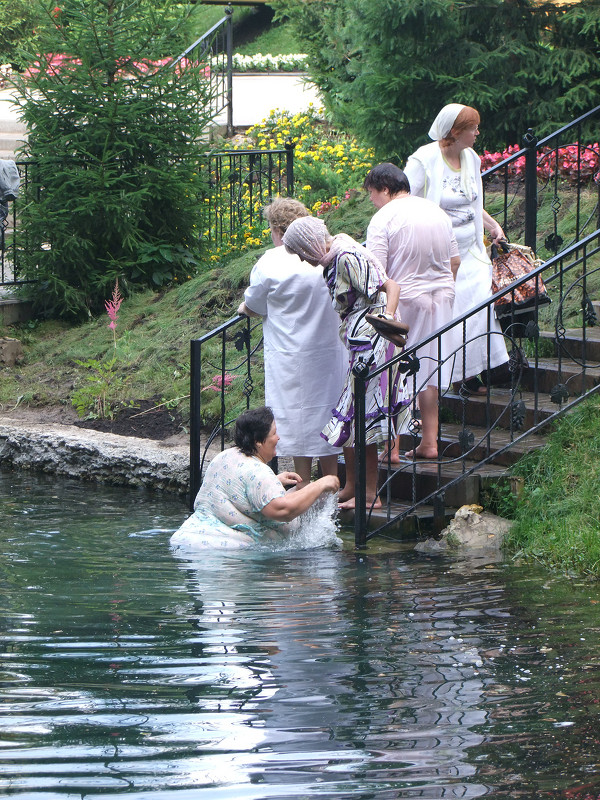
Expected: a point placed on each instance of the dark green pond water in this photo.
(129, 672)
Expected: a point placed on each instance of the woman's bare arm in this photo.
(392, 293)
(291, 505)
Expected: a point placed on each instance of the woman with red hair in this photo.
(448, 171)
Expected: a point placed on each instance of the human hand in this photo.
(330, 483)
(289, 478)
(493, 228)
(497, 234)
(243, 309)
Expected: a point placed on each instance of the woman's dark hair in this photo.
(251, 427)
(387, 176)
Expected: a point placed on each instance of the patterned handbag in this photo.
(509, 263)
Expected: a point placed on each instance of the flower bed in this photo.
(293, 62)
(576, 163)
(329, 168)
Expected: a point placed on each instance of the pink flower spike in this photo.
(112, 309)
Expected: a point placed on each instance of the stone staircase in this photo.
(473, 413)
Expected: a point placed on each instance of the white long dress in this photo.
(460, 194)
(305, 360)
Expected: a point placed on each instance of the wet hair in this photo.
(252, 427)
(282, 212)
(387, 176)
(467, 118)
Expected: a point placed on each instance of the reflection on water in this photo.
(130, 672)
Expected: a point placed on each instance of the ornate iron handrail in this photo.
(240, 183)
(237, 331)
(573, 370)
(12, 240)
(213, 53)
(530, 180)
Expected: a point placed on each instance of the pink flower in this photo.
(112, 308)
(218, 382)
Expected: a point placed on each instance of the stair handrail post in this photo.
(361, 372)
(289, 167)
(195, 396)
(229, 15)
(530, 141)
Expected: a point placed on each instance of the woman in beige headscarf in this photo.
(358, 285)
(448, 171)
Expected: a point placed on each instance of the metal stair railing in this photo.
(541, 178)
(229, 349)
(12, 239)
(566, 276)
(240, 184)
(213, 53)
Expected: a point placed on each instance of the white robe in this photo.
(425, 172)
(305, 360)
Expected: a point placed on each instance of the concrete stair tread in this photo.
(572, 342)
(449, 467)
(592, 332)
(567, 368)
(498, 439)
(420, 519)
(502, 397)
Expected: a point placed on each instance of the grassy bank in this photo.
(557, 517)
(152, 343)
(152, 338)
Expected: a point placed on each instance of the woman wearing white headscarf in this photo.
(448, 171)
(358, 285)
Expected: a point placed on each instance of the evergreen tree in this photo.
(386, 67)
(115, 150)
(18, 21)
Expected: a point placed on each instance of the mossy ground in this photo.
(557, 516)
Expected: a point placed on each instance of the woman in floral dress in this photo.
(358, 285)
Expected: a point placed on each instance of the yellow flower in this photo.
(307, 188)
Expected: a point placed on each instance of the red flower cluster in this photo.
(577, 163)
(55, 63)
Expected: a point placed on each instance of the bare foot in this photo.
(422, 452)
(351, 504)
(394, 457)
(346, 494)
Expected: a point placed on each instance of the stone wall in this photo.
(93, 456)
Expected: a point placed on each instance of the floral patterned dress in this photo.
(227, 510)
(354, 284)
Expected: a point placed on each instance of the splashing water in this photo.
(317, 527)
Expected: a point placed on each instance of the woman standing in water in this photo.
(241, 501)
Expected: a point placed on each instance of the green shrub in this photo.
(114, 146)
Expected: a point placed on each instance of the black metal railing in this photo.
(547, 193)
(230, 350)
(538, 390)
(13, 238)
(212, 55)
(240, 184)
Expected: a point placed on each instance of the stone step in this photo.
(572, 346)
(483, 444)
(424, 477)
(495, 411)
(550, 373)
(421, 520)
(12, 127)
(11, 142)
